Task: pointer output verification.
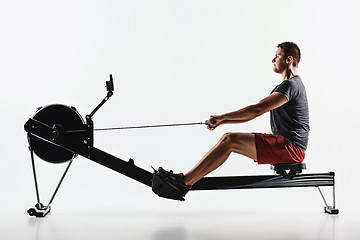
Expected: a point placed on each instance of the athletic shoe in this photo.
(176, 181)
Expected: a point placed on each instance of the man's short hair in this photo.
(291, 49)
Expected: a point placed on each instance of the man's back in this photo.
(291, 120)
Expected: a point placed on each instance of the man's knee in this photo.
(236, 141)
(230, 138)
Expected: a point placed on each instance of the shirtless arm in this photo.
(248, 113)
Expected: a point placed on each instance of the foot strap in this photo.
(163, 189)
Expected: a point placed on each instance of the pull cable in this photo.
(213, 121)
(151, 126)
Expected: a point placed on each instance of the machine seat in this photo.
(288, 166)
(292, 168)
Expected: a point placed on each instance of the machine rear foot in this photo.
(331, 210)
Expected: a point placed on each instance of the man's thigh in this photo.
(243, 143)
(273, 149)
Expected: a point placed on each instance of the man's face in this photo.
(279, 61)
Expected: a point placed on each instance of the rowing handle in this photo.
(213, 121)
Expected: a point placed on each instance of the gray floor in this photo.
(181, 226)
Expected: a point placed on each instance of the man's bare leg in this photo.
(242, 143)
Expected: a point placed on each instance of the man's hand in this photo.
(214, 121)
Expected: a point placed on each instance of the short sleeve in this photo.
(288, 88)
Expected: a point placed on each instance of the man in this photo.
(289, 118)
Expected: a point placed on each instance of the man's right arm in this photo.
(248, 113)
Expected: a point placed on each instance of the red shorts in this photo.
(273, 149)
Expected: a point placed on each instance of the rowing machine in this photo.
(57, 134)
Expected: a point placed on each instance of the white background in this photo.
(174, 62)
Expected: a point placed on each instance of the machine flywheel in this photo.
(59, 116)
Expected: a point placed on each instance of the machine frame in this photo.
(81, 142)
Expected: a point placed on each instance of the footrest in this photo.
(163, 189)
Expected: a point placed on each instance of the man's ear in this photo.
(289, 59)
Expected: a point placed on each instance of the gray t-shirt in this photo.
(291, 120)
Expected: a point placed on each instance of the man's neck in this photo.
(289, 73)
